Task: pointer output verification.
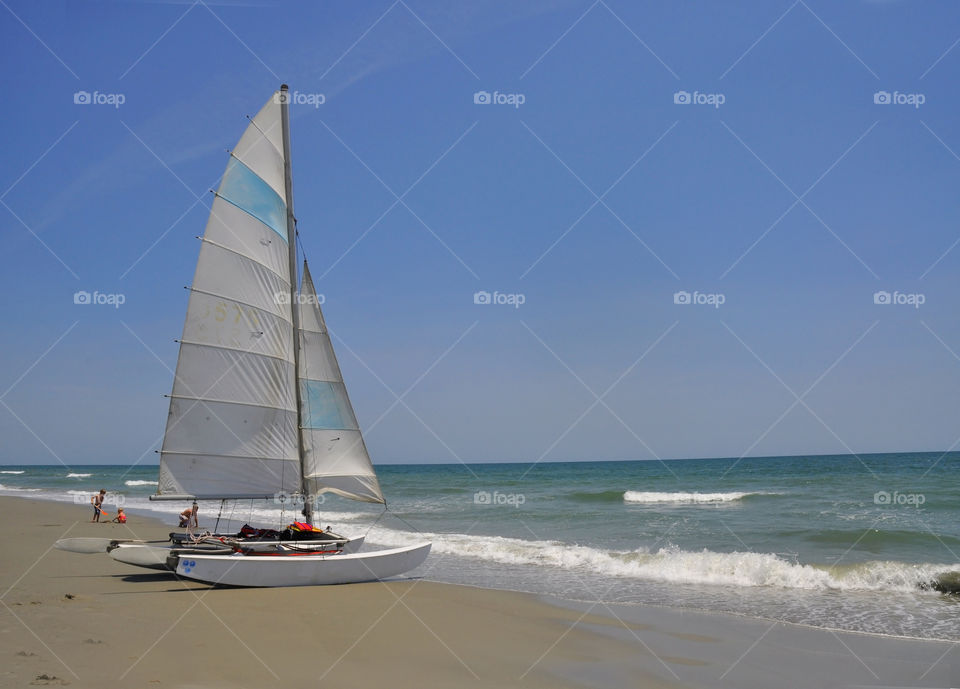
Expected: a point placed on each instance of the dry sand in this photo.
(86, 620)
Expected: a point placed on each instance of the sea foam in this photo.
(637, 496)
(674, 565)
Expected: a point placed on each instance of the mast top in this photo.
(284, 87)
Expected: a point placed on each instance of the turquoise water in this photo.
(836, 541)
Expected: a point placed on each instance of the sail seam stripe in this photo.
(243, 255)
(237, 205)
(321, 380)
(245, 404)
(264, 135)
(260, 177)
(237, 350)
(213, 454)
(237, 301)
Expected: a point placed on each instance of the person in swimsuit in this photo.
(189, 518)
(97, 501)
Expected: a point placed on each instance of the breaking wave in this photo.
(677, 566)
(635, 496)
(140, 483)
(79, 475)
(13, 472)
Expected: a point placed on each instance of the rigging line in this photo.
(386, 509)
(216, 528)
(367, 533)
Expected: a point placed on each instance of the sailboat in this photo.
(259, 409)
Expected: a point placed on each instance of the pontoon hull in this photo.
(156, 556)
(304, 570)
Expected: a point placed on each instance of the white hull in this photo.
(303, 570)
(153, 556)
(88, 545)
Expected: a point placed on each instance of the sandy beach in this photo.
(86, 620)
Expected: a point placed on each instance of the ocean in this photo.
(841, 542)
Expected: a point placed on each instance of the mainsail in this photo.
(231, 429)
(335, 458)
(235, 429)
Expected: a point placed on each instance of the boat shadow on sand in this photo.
(171, 577)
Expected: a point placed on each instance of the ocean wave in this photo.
(601, 496)
(636, 496)
(19, 490)
(140, 483)
(13, 472)
(673, 565)
(79, 475)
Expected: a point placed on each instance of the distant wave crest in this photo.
(79, 475)
(140, 483)
(13, 472)
(637, 496)
(19, 490)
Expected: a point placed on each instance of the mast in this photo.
(294, 302)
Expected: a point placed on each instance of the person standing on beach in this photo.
(97, 501)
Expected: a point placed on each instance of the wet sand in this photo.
(85, 620)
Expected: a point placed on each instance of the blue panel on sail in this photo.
(245, 190)
(326, 406)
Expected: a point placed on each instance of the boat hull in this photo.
(89, 546)
(156, 556)
(304, 570)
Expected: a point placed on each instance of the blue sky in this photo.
(796, 199)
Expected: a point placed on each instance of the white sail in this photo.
(232, 426)
(335, 458)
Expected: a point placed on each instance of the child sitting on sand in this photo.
(121, 518)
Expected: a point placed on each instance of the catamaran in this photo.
(259, 409)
